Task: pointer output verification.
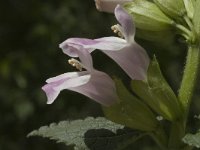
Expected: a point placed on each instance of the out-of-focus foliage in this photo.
(30, 31)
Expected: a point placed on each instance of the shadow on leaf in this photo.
(98, 139)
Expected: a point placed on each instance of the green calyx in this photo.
(196, 20)
(130, 111)
(147, 16)
(189, 6)
(158, 94)
(173, 8)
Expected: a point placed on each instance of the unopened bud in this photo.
(109, 5)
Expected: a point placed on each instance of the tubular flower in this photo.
(130, 56)
(92, 83)
(109, 5)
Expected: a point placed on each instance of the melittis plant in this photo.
(148, 104)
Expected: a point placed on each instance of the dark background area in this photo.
(30, 32)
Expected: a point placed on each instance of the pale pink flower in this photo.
(130, 56)
(92, 83)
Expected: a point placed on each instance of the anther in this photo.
(117, 29)
(75, 63)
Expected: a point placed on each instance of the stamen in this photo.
(75, 63)
(117, 29)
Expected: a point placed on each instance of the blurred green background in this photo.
(30, 32)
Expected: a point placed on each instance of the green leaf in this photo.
(157, 93)
(98, 133)
(192, 139)
(130, 111)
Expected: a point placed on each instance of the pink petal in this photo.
(71, 45)
(110, 43)
(85, 58)
(73, 82)
(132, 59)
(72, 48)
(97, 86)
(107, 43)
(65, 76)
(100, 88)
(127, 23)
(130, 56)
(56, 84)
(50, 92)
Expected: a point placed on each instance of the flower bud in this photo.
(147, 16)
(172, 8)
(108, 5)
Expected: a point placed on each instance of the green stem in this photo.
(188, 148)
(189, 77)
(177, 132)
(130, 141)
(159, 136)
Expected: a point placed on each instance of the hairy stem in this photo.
(189, 77)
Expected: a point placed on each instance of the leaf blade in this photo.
(85, 134)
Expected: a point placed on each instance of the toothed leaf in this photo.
(90, 133)
(192, 139)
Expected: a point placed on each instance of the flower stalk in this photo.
(159, 136)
